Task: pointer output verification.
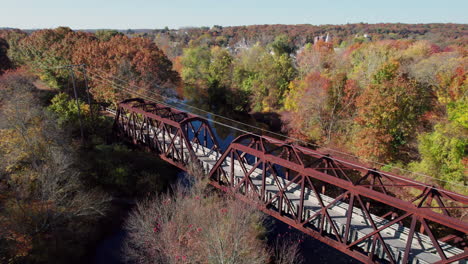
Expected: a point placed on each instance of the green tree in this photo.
(196, 63)
(106, 35)
(443, 154)
(220, 69)
(458, 112)
(264, 76)
(13, 38)
(282, 45)
(67, 113)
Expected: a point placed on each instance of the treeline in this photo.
(173, 41)
(400, 102)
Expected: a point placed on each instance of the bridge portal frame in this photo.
(138, 120)
(365, 189)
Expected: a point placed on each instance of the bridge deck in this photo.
(395, 236)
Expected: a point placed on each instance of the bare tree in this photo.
(43, 192)
(193, 226)
(286, 251)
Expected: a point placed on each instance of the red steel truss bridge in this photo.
(367, 214)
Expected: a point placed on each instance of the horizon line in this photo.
(266, 24)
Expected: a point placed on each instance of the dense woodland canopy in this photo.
(391, 93)
(394, 94)
(56, 190)
(383, 92)
(59, 193)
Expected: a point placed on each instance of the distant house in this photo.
(326, 38)
(241, 45)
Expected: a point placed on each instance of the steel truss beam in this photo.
(280, 179)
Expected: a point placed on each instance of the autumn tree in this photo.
(13, 38)
(443, 149)
(389, 110)
(45, 50)
(371, 57)
(201, 229)
(195, 226)
(44, 201)
(136, 64)
(307, 99)
(315, 57)
(135, 61)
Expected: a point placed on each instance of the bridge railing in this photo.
(347, 206)
(368, 214)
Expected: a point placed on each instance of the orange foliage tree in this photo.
(44, 50)
(317, 57)
(307, 99)
(389, 111)
(134, 61)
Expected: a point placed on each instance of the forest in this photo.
(396, 97)
(392, 96)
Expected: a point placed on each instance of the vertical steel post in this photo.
(85, 76)
(77, 102)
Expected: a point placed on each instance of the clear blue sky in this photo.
(124, 14)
